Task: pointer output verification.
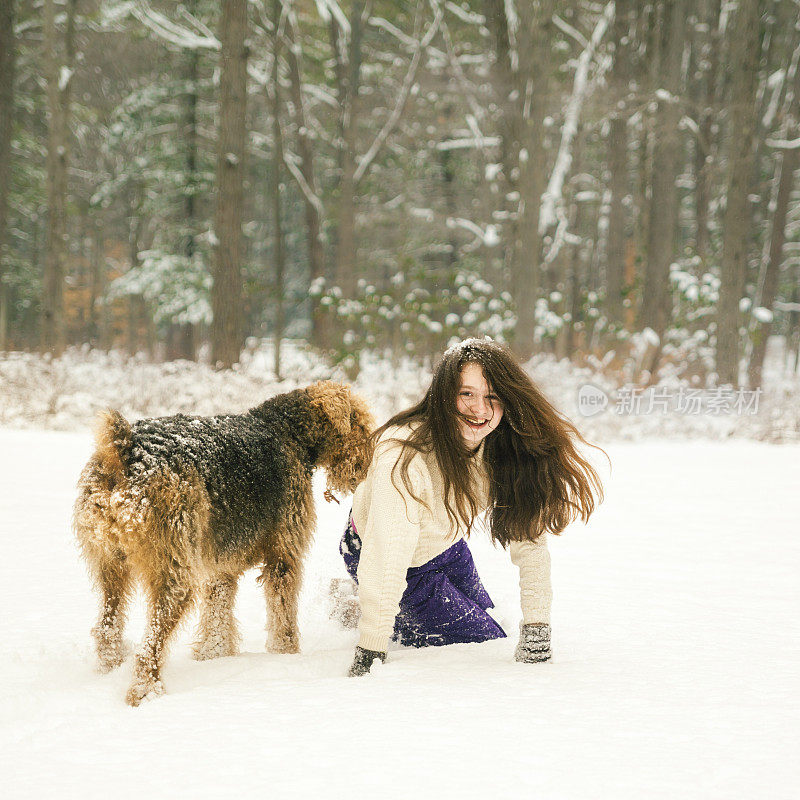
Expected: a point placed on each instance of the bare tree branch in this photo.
(553, 196)
(390, 124)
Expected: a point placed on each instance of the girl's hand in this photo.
(534, 643)
(363, 661)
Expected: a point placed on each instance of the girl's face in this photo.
(479, 405)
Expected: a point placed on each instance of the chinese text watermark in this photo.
(635, 400)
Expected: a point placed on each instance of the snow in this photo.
(665, 96)
(64, 76)
(675, 639)
(763, 315)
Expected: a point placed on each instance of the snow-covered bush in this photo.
(176, 287)
(690, 341)
(413, 315)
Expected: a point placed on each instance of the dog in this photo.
(186, 504)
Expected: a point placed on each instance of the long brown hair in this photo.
(538, 480)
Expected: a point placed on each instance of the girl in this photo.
(483, 437)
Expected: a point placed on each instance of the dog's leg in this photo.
(217, 633)
(282, 580)
(114, 580)
(344, 605)
(170, 598)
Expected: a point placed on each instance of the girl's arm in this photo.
(389, 539)
(536, 596)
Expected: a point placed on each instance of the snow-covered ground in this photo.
(675, 671)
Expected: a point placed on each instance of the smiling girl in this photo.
(483, 438)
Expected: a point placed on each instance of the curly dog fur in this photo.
(186, 504)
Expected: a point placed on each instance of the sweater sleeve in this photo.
(536, 593)
(389, 539)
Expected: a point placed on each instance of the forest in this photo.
(597, 180)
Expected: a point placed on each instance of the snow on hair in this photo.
(465, 344)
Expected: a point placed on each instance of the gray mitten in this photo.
(534, 643)
(363, 661)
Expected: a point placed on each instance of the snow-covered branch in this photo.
(321, 93)
(405, 90)
(783, 144)
(455, 63)
(688, 124)
(489, 237)
(173, 33)
(512, 22)
(775, 85)
(466, 144)
(291, 161)
(553, 196)
(331, 8)
(570, 31)
(470, 17)
(403, 38)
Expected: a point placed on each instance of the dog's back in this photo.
(247, 470)
(244, 462)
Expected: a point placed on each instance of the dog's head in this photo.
(345, 421)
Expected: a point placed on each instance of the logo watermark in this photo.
(635, 400)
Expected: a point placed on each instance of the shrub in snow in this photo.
(177, 288)
(413, 314)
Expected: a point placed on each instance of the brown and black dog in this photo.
(186, 504)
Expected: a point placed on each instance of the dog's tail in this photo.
(113, 439)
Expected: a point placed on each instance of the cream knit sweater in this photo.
(397, 532)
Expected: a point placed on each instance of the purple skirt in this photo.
(444, 601)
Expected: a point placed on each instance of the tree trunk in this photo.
(182, 337)
(657, 304)
(311, 207)
(98, 308)
(521, 82)
(618, 164)
(564, 275)
(277, 170)
(744, 43)
(705, 66)
(226, 297)
(790, 162)
(134, 338)
(576, 281)
(644, 62)
(349, 78)
(7, 64)
(787, 163)
(59, 72)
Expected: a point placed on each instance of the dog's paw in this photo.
(112, 650)
(214, 647)
(283, 644)
(144, 690)
(343, 605)
(347, 612)
(108, 662)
